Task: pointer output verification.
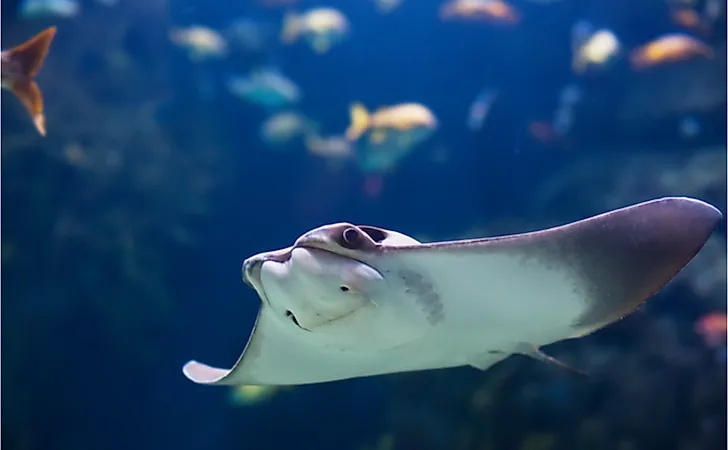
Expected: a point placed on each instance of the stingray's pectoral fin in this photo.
(489, 359)
(204, 374)
(534, 352)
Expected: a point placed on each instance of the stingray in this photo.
(347, 301)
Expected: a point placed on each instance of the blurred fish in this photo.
(249, 35)
(490, 10)
(480, 108)
(686, 15)
(321, 27)
(591, 47)
(667, 49)
(689, 18)
(200, 41)
(713, 328)
(20, 65)
(266, 87)
(569, 97)
(545, 133)
(283, 127)
(34, 9)
(689, 127)
(331, 147)
(714, 9)
(694, 89)
(392, 132)
(387, 6)
(403, 118)
(246, 395)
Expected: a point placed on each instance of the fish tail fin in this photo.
(291, 28)
(29, 56)
(29, 94)
(637, 60)
(359, 118)
(27, 59)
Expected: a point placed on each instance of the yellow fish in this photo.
(489, 10)
(403, 118)
(321, 27)
(200, 41)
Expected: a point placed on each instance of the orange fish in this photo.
(19, 67)
(686, 17)
(691, 20)
(492, 10)
(670, 48)
(713, 328)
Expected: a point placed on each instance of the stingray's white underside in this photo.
(491, 302)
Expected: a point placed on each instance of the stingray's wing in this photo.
(275, 355)
(272, 356)
(560, 283)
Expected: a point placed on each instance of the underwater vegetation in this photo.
(177, 139)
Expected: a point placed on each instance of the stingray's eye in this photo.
(351, 238)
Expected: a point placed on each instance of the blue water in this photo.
(98, 321)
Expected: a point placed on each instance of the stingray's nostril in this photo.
(344, 288)
(292, 317)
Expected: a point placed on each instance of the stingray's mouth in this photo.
(252, 277)
(251, 273)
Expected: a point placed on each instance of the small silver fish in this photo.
(265, 87)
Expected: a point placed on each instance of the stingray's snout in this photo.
(251, 269)
(252, 265)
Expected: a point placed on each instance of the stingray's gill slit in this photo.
(290, 315)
